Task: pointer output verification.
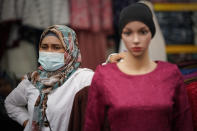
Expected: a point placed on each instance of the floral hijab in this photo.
(46, 81)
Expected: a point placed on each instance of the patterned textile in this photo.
(176, 27)
(46, 81)
(79, 20)
(188, 70)
(88, 15)
(43, 13)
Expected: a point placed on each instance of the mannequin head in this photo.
(136, 28)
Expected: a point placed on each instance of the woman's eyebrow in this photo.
(51, 43)
(43, 44)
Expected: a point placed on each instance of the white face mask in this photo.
(51, 61)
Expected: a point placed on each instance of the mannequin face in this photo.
(136, 37)
(51, 44)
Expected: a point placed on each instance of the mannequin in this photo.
(137, 93)
(157, 47)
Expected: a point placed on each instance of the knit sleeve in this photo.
(94, 116)
(182, 118)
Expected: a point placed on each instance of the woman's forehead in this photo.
(51, 39)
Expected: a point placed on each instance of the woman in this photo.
(43, 99)
(138, 94)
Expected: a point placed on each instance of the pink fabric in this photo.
(156, 101)
(95, 13)
(92, 15)
(107, 16)
(94, 21)
(79, 17)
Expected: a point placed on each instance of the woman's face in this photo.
(51, 44)
(136, 36)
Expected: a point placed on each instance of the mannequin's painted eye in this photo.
(127, 33)
(143, 31)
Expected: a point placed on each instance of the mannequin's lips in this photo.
(136, 49)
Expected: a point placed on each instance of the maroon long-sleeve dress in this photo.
(156, 101)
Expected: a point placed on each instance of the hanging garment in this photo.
(181, 57)
(178, 35)
(10, 39)
(186, 64)
(22, 59)
(157, 46)
(188, 71)
(88, 15)
(11, 10)
(176, 27)
(92, 26)
(31, 35)
(79, 18)
(190, 76)
(43, 13)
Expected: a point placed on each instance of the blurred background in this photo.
(96, 25)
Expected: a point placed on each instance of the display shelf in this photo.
(173, 49)
(175, 6)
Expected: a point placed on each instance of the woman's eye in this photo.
(58, 47)
(43, 47)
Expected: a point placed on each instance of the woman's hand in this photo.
(115, 57)
(25, 123)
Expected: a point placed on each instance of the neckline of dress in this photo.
(138, 75)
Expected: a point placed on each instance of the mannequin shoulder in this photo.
(169, 68)
(168, 65)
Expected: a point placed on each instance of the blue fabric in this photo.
(178, 35)
(177, 19)
(177, 27)
(188, 71)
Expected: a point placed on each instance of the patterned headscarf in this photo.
(46, 81)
